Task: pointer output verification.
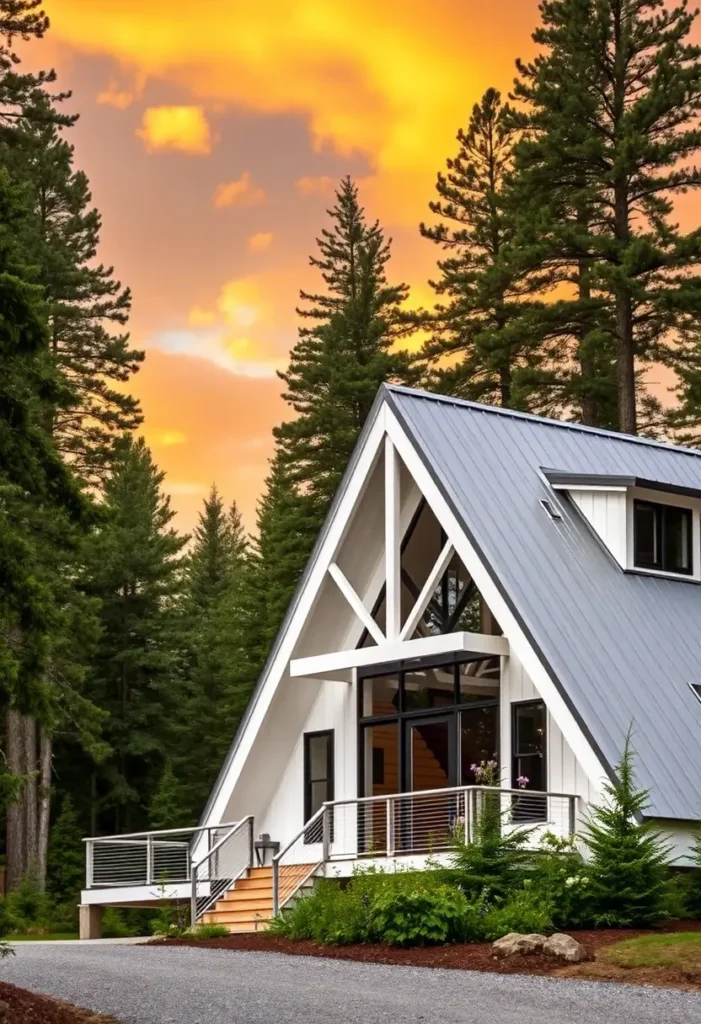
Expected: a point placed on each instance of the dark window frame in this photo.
(531, 813)
(660, 510)
(329, 778)
(400, 717)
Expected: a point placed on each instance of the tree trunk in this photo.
(30, 794)
(625, 370)
(15, 844)
(45, 751)
(587, 363)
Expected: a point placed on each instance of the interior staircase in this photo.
(248, 905)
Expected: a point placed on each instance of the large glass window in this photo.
(423, 728)
(662, 537)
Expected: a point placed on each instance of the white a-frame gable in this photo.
(344, 580)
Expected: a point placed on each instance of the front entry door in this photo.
(430, 761)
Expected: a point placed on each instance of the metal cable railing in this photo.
(220, 867)
(292, 866)
(419, 823)
(145, 858)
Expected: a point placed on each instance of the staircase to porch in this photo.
(248, 905)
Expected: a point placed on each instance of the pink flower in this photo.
(522, 781)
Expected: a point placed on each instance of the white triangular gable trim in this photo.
(386, 425)
(512, 630)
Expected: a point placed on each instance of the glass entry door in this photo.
(422, 823)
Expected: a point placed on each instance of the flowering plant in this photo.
(522, 781)
(485, 772)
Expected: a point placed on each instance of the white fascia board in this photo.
(115, 894)
(519, 642)
(340, 664)
(588, 487)
(367, 460)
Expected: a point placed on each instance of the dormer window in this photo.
(662, 538)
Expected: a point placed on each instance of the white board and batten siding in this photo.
(564, 772)
(606, 513)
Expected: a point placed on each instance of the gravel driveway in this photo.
(190, 986)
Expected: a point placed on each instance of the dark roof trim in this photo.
(560, 479)
(497, 410)
(419, 449)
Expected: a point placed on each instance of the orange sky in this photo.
(213, 134)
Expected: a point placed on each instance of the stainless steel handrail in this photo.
(162, 832)
(278, 857)
(326, 812)
(194, 868)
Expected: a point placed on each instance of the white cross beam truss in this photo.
(396, 644)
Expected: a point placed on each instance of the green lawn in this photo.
(674, 949)
(51, 937)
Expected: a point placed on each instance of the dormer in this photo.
(648, 527)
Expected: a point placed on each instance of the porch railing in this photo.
(221, 867)
(417, 823)
(147, 858)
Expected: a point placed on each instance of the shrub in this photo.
(113, 924)
(209, 931)
(329, 914)
(28, 909)
(628, 872)
(524, 911)
(421, 916)
(497, 858)
(560, 880)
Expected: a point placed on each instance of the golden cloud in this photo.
(385, 81)
(181, 128)
(241, 192)
(260, 241)
(322, 185)
(199, 317)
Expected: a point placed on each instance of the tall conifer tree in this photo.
(479, 349)
(613, 101)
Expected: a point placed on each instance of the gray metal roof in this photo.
(621, 646)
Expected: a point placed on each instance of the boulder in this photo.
(515, 942)
(564, 947)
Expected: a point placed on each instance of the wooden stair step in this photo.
(254, 905)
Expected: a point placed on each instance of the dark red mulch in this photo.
(17, 1006)
(474, 956)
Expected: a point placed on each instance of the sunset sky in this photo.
(213, 134)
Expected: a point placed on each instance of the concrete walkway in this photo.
(180, 985)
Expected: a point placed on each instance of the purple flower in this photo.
(522, 781)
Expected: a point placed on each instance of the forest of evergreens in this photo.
(564, 281)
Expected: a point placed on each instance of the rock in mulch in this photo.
(515, 942)
(563, 947)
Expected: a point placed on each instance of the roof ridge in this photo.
(545, 420)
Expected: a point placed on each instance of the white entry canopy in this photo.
(340, 665)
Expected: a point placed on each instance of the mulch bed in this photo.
(475, 956)
(17, 1006)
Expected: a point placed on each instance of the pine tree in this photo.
(134, 569)
(347, 348)
(628, 869)
(66, 855)
(84, 302)
(166, 806)
(214, 649)
(479, 347)
(613, 100)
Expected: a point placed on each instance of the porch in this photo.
(221, 870)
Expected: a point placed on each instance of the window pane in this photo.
(318, 757)
(431, 688)
(646, 535)
(478, 680)
(529, 729)
(381, 764)
(677, 539)
(479, 731)
(381, 696)
(318, 793)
